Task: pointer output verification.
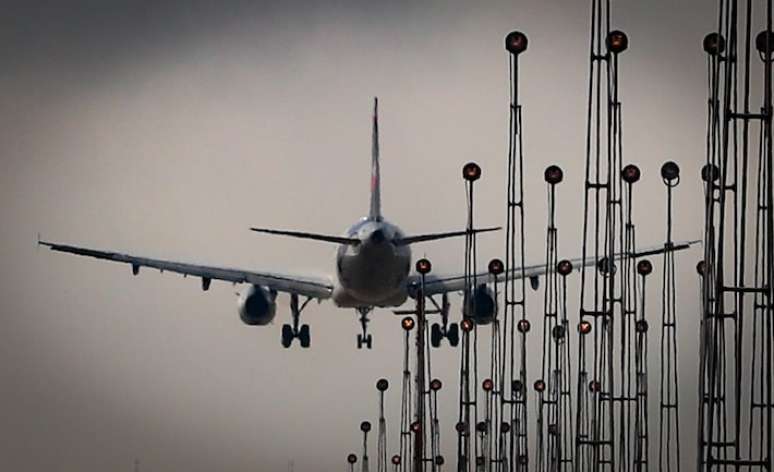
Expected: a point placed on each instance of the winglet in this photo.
(375, 212)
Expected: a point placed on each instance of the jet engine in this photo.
(257, 306)
(480, 307)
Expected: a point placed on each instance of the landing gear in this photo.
(440, 331)
(443, 330)
(364, 337)
(364, 340)
(290, 332)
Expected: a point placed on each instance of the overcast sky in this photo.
(166, 129)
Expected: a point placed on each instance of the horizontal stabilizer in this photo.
(316, 237)
(433, 236)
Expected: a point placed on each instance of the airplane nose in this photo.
(377, 236)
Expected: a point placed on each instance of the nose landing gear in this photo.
(364, 337)
(291, 332)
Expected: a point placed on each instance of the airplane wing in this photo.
(437, 284)
(305, 286)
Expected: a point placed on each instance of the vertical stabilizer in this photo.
(375, 212)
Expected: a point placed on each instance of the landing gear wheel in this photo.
(453, 334)
(361, 340)
(289, 332)
(303, 336)
(436, 335)
(287, 335)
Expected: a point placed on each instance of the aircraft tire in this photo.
(304, 336)
(436, 335)
(453, 334)
(287, 335)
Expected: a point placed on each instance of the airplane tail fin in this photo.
(375, 212)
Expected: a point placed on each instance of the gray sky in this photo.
(168, 129)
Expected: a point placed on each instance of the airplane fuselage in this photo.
(373, 272)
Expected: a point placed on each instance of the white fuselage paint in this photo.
(374, 272)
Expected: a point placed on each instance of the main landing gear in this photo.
(439, 331)
(290, 332)
(443, 330)
(364, 338)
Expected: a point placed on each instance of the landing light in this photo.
(584, 327)
(617, 42)
(710, 173)
(516, 42)
(471, 172)
(630, 174)
(558, 332)
(701, 268)
(670, 172)
(523, 326)
(564, 267)
(496, 267)
(424, 266)
(644, 267)
(761, 42)
(714, 44)
(641, 326)
(553, 174)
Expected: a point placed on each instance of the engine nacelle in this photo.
(257, 306)
(480, 307)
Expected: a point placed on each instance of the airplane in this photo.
(373, 265)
